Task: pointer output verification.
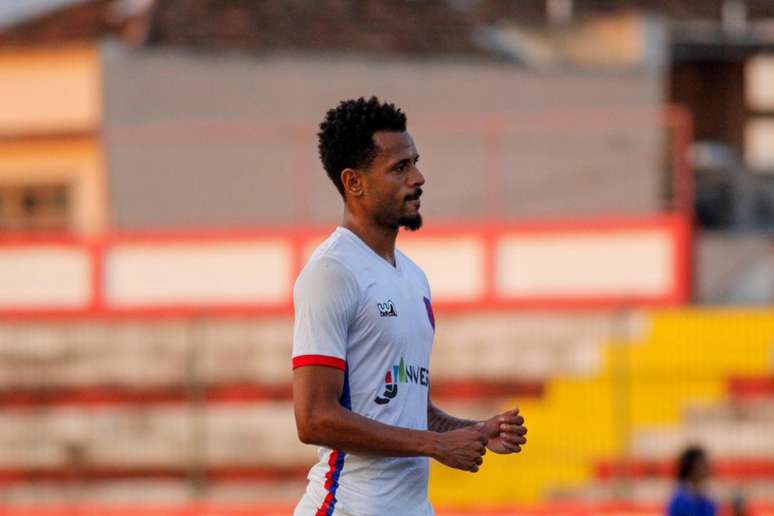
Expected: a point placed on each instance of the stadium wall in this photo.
(559, 264)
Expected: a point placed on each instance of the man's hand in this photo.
(461, 449)
(505, 432)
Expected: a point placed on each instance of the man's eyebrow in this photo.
(410, 159)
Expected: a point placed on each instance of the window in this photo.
(34, 208)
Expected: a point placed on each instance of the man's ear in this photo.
(352, 181)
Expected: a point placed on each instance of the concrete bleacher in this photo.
(146, 354)
(112, 404)
(736, 435)
(677, 359)
(726, 430)
(118, 404)
(732, 420)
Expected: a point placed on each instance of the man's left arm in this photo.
(440, 421)
(506, 432)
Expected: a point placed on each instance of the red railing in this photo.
(487, 235)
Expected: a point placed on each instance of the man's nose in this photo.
(417, 179)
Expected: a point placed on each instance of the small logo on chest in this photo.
(387, 309)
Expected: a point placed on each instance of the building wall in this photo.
(48, 91)
(224, 140)
(50, 118)
(73, 161)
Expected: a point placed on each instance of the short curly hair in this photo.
(686, 464)
(346, 135)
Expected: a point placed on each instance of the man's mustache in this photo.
(414, 196)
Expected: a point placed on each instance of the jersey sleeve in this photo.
(325, 300)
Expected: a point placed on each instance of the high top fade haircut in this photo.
(346, 137)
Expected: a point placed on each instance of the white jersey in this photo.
(359, 313)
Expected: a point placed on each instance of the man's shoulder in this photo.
(335, 252)
(326, 267)
(333, 265)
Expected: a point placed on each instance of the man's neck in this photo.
(695, 488)
(380, 239)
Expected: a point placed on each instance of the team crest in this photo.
(429, 309)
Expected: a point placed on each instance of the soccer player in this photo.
(363, 334)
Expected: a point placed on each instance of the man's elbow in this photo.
(312, 427)
(305, 432)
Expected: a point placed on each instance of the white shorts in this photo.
(308, 507)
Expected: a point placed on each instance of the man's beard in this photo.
(394, 220)
(411, 222)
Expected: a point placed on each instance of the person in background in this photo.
(691, 497)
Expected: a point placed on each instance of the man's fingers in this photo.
(513, 429)
(513, 439)
(512, 447)
(479, 460)
(516, 420)
(508, 415)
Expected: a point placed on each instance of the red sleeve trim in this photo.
(323, 360)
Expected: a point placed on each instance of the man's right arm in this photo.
(322, 420)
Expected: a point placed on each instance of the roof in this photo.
(387, 27)
(15, 12)
(369, 26)
(37, 22)
(681, 9)
(406, 27)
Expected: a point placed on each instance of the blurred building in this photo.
(594, 167)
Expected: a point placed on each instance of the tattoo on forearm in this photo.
(440, 421)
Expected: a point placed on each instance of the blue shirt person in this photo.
(690, 498)
(687, 503)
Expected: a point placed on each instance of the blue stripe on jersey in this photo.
(335, 481)
(345, 399)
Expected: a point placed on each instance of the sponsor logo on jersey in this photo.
(401, 374)
(387, 309)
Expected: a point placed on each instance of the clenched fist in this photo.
(505, 432)
(461, 449)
